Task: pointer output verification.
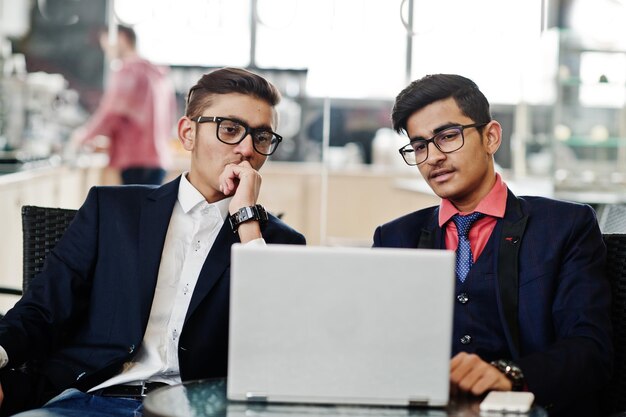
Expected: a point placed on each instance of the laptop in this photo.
(340, 325)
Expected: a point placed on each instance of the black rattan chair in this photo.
(615, 394)
(42, 227)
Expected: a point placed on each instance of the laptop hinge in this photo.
(418, 402)
(256, 397)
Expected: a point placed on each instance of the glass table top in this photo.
(208, 398)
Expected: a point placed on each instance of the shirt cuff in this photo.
(4, 358)
(254, 242)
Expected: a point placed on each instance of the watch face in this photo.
(512, 372)
(248, 213)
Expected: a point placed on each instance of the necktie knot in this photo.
(464, 223)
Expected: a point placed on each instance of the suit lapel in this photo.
(155, 215)
(430, 237)
(217, 261)
(513, 227)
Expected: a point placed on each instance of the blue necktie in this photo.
(464, 259)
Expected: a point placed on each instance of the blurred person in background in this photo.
(136, 113)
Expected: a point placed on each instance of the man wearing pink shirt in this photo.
(532, 299)
(137, 113)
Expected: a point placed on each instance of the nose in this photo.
(434, 154)
(245, 147)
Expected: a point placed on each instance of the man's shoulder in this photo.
(277, 231)
(123, 191)
(550, 206)
(142, 68)
(417, 218)
(545, 214)
(129, 194)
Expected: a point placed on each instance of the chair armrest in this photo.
(10, 291)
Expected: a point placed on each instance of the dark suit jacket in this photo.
(86, 313)
(551, 289)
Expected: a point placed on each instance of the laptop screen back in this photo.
(340, 325)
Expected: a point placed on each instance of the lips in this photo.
(440, 174)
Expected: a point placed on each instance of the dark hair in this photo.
(431, 88)
(126, 31)
(229, 80)
(129, 33)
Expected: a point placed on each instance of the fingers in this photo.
(227, 180)
(470, 373)
(242, 182)
(1, 395)
(233, 174)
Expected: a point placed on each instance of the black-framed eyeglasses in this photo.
(233, 132)
(449, 140)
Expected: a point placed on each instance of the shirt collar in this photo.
(189, 197)
(493, 204)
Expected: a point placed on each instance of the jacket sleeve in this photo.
(578, 363)
(278, 232)
(58, 295)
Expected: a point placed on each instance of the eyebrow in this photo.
(240, 120)
(441, 128)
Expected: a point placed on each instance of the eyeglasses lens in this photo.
(230, 132)
(264, 141)
(447, 141)
(450, 139)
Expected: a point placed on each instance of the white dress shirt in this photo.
(192, 230)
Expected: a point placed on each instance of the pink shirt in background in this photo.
(493, 206)
(137, 113)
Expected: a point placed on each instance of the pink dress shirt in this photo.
(493, 206)
(137, 113)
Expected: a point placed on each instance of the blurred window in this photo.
(493, 42)
(344, 44)
(350, 48)
(190, 32)
(602, 79)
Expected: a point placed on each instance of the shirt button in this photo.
(466, 340)
(205, 211)
(463, 298)
(196, 246)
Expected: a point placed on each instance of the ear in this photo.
(493, 137)
(187, 133)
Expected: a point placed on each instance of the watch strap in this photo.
(512, 372)
(248, 213)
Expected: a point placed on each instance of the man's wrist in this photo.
(246, 214)
(512, 372)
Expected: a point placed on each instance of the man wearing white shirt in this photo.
(135, 294)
